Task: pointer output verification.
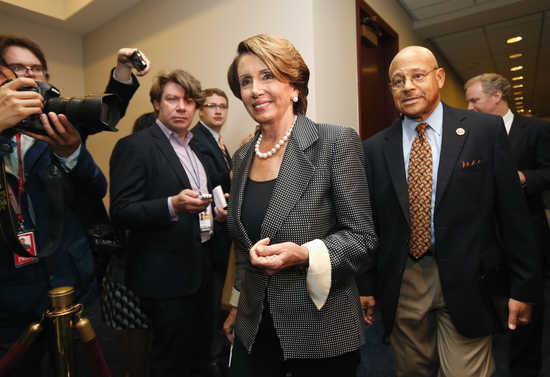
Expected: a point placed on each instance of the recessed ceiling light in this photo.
(517, 78)
(519, 103)
(514, 39)
(516, 68)
(517, 86)
(515, 56)
(518, 93)
(520, 110)
(518, 98)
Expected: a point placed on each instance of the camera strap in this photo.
(8, 227)
(9, 213)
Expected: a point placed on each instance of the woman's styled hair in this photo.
(282, 59)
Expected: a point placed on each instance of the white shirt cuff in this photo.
(318, 279)
(234, 299)
(70, 162)
(173, 215)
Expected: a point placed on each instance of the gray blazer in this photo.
(321, 193)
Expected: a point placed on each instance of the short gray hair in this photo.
(490, 83)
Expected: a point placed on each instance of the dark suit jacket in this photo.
(166, 259)
(530, 143)
(472, 201)
(24, 291)
(218, 174)
(217, 170)
(320, 193)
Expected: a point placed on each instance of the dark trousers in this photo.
(525, 344)
(266, 359)
(180, 331)
(219, 348)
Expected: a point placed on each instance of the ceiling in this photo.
(78, 16)
(471, 35)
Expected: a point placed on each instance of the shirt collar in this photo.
(508, 118)
(172, 136)
(214, 133)
(435, 121)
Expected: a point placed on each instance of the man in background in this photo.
(207, 135)
(529, 140)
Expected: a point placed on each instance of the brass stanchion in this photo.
(64, 316)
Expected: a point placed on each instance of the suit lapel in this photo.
(294, 175)
(165, 148)
(517, 133)
(393, 152)
(34, 153)
(451, 146)
(214, 145)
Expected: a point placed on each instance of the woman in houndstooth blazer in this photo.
(300, 217)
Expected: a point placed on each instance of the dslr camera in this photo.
(89, 115)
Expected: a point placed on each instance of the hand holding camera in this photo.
(189, 201)
(17, 105)
(62, 137)
(128, 59)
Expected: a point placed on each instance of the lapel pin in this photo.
(460, 131)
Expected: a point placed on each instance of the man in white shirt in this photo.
(530, 144)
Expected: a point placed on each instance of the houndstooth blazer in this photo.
(321, 193)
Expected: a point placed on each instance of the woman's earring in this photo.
(295, 99)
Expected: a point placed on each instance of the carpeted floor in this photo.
(376, 356)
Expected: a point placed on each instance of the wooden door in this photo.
(377, 44)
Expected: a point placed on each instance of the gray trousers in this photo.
(424, 340)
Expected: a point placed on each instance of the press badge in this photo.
(205, 219)
(27, 240)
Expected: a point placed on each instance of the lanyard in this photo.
(196, 178)
(21, 178)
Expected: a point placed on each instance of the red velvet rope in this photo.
(13, 355)
(96, 361)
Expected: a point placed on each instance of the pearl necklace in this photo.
(277, 146)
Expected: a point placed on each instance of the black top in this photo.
(256, 200)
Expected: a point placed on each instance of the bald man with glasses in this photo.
(442, 181)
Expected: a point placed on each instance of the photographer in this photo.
(16, 105)
(25, 282)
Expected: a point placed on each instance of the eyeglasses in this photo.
(215, 106)
(19, 69)
(399, 81)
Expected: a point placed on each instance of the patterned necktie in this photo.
(225, 157)
(420, 193)
(222, 147)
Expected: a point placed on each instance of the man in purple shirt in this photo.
(157, 179)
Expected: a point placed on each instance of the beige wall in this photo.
(63, 51)
(335, 70)
(201, 37)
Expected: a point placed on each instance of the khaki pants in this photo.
(424, 341)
